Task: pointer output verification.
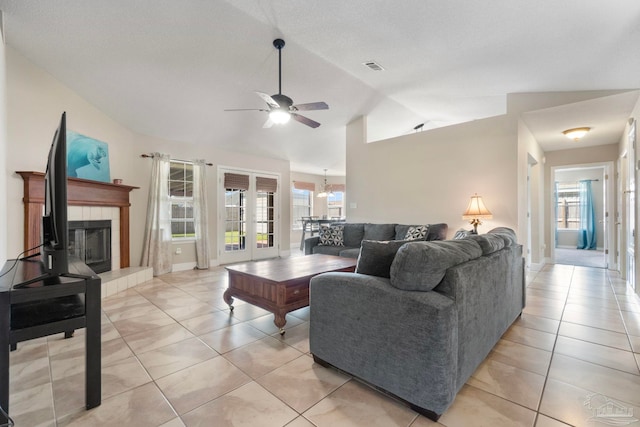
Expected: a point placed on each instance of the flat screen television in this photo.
(55, 233)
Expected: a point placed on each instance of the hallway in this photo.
(580, 257)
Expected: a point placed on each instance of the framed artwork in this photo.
(87, 158)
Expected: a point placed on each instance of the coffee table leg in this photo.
(280, 321)
(228, 299)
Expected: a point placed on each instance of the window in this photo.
(568, 208)
(302, 206)
(335, 202)
(181, 199)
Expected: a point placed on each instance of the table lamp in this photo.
(476, 211)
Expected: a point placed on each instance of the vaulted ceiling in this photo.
(170, 68)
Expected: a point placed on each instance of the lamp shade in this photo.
(476, 209)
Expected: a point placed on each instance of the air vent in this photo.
(373, 65)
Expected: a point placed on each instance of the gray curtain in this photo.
(200, 214)
(156, 250)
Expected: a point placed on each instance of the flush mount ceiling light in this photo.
(576, 133)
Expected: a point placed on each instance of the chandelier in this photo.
(326, 189)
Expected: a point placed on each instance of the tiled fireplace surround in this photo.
(90, 200)
(116, 280)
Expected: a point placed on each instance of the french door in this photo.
(248, 215)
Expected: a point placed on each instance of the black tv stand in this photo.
(35, 304)
(48, 279)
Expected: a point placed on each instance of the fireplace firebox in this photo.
(91, 242)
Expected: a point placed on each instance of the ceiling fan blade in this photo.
(305, 120)
(310, 106)
(246, 109)
(267, 124)
(268, 99)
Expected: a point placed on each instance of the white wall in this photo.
(35, 101)
(428, 177)
(4, 224)
(531, 206)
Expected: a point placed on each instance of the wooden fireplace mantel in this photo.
(80, 192)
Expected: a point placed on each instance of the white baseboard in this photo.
(191, 265)
(536, 266)
(573, 247)
(183, 266)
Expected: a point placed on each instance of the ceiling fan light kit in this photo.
(280, 107)
(279, 117)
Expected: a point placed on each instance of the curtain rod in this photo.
(149, 156)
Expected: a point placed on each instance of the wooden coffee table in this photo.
(280, 285)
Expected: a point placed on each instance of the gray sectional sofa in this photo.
(355, 233)
(417, 323)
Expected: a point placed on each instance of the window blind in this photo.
(236, 181)
(269, 185)
(301, 185)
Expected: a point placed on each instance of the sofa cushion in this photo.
(489, 243)
(437, 231)
(507, 234)
(379, 232)
(350, 252)
(332, 235)
(333, 250)
(353, 234)
(376, 256)
(420, 266)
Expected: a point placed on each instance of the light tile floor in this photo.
(173, 355)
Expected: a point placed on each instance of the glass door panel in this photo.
(248, 222)
(235, 220)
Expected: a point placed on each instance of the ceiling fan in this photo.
(281, 108)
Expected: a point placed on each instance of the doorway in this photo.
(248, 217)
(581, 234)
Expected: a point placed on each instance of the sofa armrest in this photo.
(310, 243)
(402, 341)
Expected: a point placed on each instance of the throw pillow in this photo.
(417, 233)
(420, 266)
(332, 235)
(376, 257)
(462, 234)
